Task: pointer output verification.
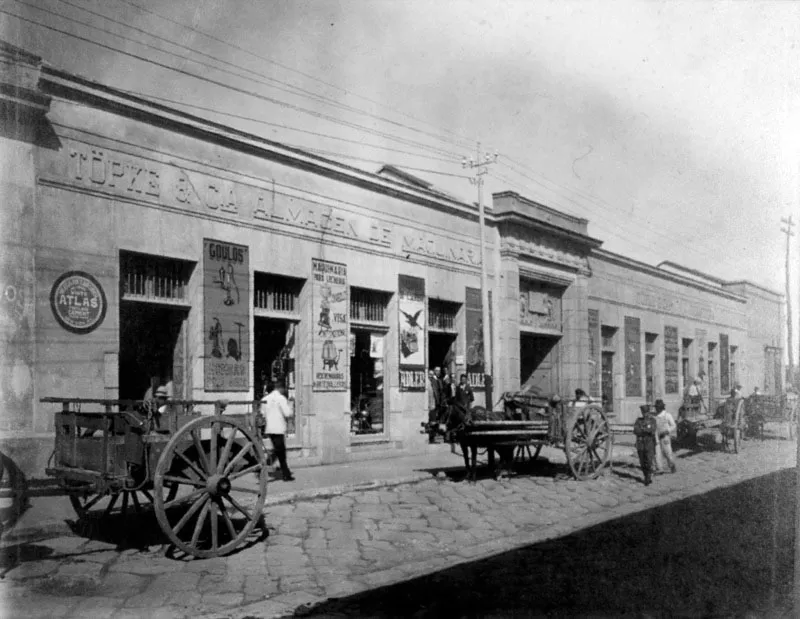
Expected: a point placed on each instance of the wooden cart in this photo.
(205, 475)
(533, 421)
(728, 419)
(764, 409)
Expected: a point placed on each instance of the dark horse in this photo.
(457, 419)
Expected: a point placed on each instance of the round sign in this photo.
(78, 302)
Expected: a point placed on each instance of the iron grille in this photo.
(153, 278)
(277, 293)
(442, 314)
(368, 305)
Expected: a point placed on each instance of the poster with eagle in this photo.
(412, 318)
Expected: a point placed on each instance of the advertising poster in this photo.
(594, 353)
(474, 327)
(633, 357)
(724, 364)
(331, 340)
(226, 308)
(671, 360)
(412, 319)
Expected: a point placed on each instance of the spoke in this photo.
(185, 481)
(201, 453)
(250, 469)
(212, 467)
(226, 452)
(191, 464)
(90, 504)
(228, 523)
(110, 505)
(124, 508)
(236, 459)
(241, 509)
(148, 495)
(201, 520)
(136, 505)
(245, 490)
(201, 502)
(214, 525)
(189, 497)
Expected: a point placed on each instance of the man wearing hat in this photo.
(665, 425)
(161, 396)
(645, 430)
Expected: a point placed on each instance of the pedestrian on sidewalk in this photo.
(276, 412)
(666, 426)
(644, 428)
(464, 394)
(435, 392)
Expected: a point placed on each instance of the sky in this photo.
(673, 127)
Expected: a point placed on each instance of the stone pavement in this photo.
(339, 545)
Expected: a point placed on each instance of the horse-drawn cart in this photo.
(729, 419)
(764, 409)
(205, 475)
(530, 421)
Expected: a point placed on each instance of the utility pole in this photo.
(788, 232)
(480, 165)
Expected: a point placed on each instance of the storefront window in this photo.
(367, 360)
(442, 335)
(277, 316)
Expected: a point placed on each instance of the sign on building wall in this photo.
(633, 357)
(78, 302)
(474, 328)
(539, 306)
(226, 310)
(412, 320)
(724, 364)
(594, 353)
(331, 340)
(671, 360)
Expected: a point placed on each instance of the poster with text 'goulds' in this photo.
(329, 300)
(412, 317)
(226, 309)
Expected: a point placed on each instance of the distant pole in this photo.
(788, 232)
(481, 169)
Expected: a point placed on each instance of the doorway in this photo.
(441, 351)
(712, 378)
(274, 359)
(366, 383)
(539, 363)
(152, 350)
(607, 381)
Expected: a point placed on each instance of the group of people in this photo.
(653, 431)
(442, 395)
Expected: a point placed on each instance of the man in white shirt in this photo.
(276, 411)
(665, 427)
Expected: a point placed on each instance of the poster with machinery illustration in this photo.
(330, 311)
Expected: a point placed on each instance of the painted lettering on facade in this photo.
(440, 248)
(674, 305)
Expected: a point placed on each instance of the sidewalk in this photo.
(50, 509)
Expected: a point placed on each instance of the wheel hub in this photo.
(218, 485)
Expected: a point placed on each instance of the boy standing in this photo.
(665, 425)
(277, 411)
(645, 430)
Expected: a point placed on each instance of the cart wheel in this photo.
(522, 450)
(588, 442)
(13, 494)
(218, 470)
(90, 504)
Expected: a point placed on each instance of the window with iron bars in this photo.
(442, 314)
(368, 305)
(277, 293)
(153, 278)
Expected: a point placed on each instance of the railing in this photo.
(367, 305)
(442, 315)
(276, 299)
(154, 281)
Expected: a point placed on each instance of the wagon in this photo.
(532, 421)
(763, 409)
(203, 475)
(728, 420)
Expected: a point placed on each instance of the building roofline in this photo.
(666, 275)
(717, 280)
(552, 211)
(56, 82)
(533, 222)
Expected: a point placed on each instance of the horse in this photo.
(456, 420)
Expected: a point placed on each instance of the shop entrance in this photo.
(441, 351)
(274, 355)
(366, 382)
(152, 350)
(538, 363)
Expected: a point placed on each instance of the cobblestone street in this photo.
(343, 545)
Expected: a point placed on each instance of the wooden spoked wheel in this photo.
(588, 442)
(217, 470)
(525, 450)
(91, 505)
(13, 497)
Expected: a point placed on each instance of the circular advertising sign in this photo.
(78, 302)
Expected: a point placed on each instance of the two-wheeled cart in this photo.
(729, 420)
(203, 474)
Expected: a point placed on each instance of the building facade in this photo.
(142, 246)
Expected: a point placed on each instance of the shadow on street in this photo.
(726, 553)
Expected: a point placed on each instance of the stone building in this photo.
(145, 247)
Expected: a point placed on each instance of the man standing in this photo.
(645, 430)
(665, 425)
(464, 395)
(276, 412)
(434, 403)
